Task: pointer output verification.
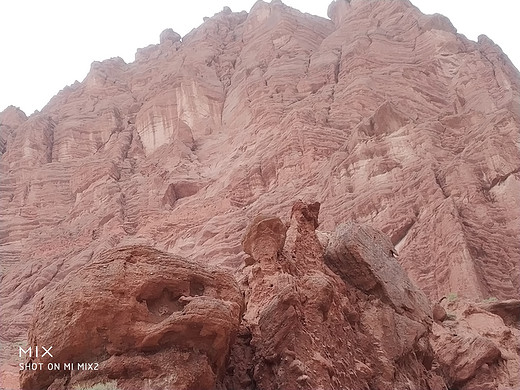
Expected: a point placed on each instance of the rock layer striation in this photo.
(382, 114)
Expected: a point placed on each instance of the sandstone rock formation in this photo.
(305, 315)
(153, 320)
(382, 114)
(476, 348)
(364, 257)
(148, 318)
(10, 119)
(310, 327)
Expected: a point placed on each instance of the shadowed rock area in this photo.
(388, 118)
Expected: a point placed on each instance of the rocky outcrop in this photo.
(509, 310)
(144, 317)
(365, 257)
(309, 327)
(150, 319)
(310, 310)
(10, 119)
(384, 115)
(476, 349)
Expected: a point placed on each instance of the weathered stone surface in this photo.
(265, 237)
(146, 317)
(306, 327)
(476, 349)
(169, 35)
(365, 258)
(10, 119)
(382, 114)
(509, 310)
(439, 313)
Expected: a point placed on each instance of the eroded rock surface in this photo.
(382, 114)
(148, 318)
(308, 327)
(365, 257)
(476, 348)
(307, 309)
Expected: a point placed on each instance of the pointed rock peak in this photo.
(259, 4)
(483, 39)
(436, 22)
(12, 116)
(169, 35)
(259, 9)
(337, 10)
(263, 8)
(115, 62)
(101, 71)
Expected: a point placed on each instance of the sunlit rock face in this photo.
(382, 114)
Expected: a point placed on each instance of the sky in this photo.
(46, 45)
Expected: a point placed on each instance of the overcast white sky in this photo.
(46, 45)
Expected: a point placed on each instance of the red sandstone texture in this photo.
(384, 115)
(298, 325)
(141, 313)
(477, 344)
(308, 309)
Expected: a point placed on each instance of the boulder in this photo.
(138, 314)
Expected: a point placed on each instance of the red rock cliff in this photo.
(384, 115)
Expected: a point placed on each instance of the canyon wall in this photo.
(384, 115)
